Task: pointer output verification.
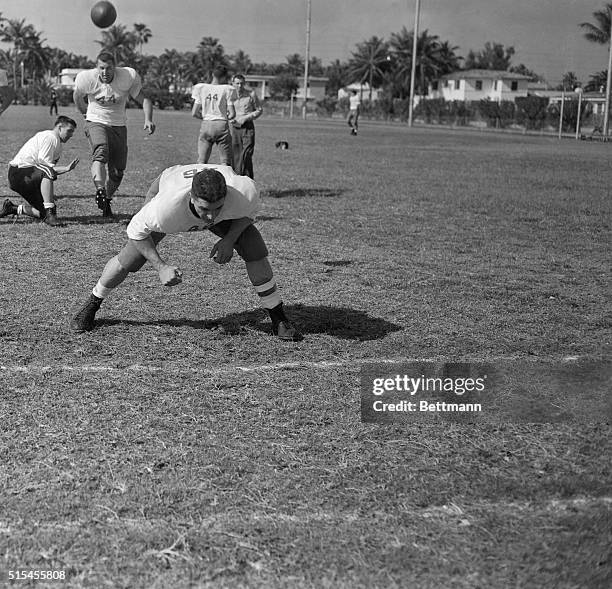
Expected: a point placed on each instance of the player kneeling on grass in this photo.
(33, 171)
(190, 198)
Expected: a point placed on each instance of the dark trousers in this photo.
(243, 145)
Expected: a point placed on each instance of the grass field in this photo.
(179, 445)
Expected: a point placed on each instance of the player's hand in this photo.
(170, 275)
(150, 127)
(222, 251)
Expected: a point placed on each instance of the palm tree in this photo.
(19, 34)
(240, 62)
(569, 81)
(370, 61)
(597, 82)
(210, 54)
(142, 34)
(599, 32)
(433, 60)
(602, 33)
(338, 76)
(120, 42)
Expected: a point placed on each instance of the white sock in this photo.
(101, 291)
(269, 297)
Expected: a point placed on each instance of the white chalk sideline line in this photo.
(321, 364)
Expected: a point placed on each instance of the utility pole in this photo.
(417, 12)
(307, 60)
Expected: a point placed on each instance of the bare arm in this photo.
(168, 275)
(258, 109)
(223, 250)
(79, 100)
(147, 108)
(196, 110)
(63, 169)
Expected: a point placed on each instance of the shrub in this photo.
(531, 111)
(326, 106)
(497, 114)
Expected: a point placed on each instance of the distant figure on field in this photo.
(248, 109)
(7, 94)
(107, 89)
(354, 109)
(53, 104)
(195, 197)
(214, 104)
(33, 171)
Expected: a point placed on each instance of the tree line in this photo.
(377, 62)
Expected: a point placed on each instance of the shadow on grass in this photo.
(302, 192)
(335, 321)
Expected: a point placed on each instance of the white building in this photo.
(67, 76)
(469, 85)
(362, 89)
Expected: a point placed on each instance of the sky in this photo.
(544, 33)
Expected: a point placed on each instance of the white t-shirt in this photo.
(169, 211)
(214, 98)
(354, 101)
(44, 149)
(107, 101)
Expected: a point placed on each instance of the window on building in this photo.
(457, 84)
(478, 84)
(434, 86)
(495, 85)
(514, 86)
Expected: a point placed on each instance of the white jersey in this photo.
(354, 102)
(169, 211)
(214, 98)
(107, 102)
(3, 78)
(41, 151)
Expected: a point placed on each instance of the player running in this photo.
(107, 89)
(191, 198)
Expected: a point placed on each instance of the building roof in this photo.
(483, 74)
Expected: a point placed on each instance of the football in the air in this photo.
(103, 14)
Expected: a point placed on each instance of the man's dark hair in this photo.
(106, 57)
(239, 77)
(64, 120)
(209, 185)
(220, 72)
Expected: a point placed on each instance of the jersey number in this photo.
(190, 173)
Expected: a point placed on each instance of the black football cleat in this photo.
(8, 208)
(286, 332)
(50, 217)
(84, 320)
(100, 198)
(106, 209)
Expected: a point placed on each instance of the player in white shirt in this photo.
(191, 198)
(33, 171)
(214, 104)
(7, 94)
(101, 95)
(354, 110)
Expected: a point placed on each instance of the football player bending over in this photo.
(190, 198)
